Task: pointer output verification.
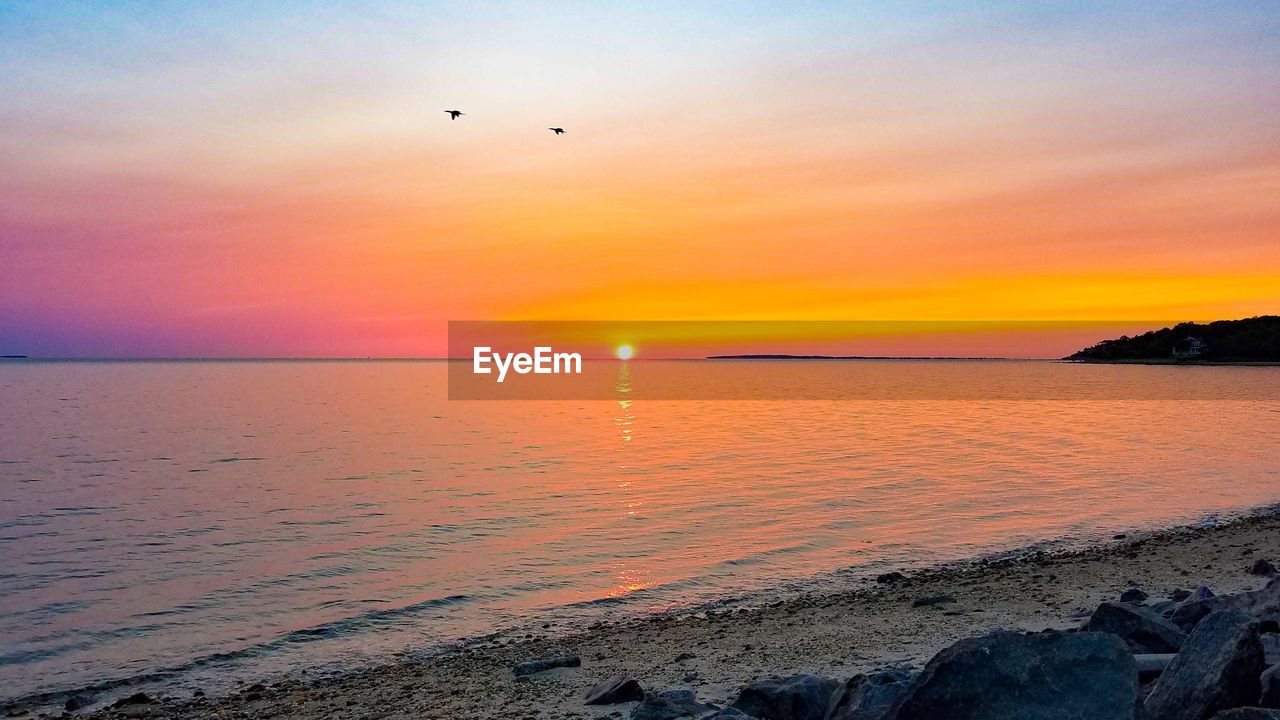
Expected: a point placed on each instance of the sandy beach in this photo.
(715, 653)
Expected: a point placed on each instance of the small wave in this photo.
(323, 631)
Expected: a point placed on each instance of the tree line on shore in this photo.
(1255, 339)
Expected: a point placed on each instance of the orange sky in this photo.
(283, 182)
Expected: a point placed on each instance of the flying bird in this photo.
(453, 114)
(558, 131)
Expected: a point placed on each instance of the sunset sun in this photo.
(624, 352)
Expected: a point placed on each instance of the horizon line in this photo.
(199, 358)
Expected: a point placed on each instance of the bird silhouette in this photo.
(558, 131)
(453, 114)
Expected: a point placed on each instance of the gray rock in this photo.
(1142, 629)
(670, 705)
(77, 702)
(1262, 605)
(1179, 595)
(615, 690)
(1248, 713)
(799, 697)
(1270, 680)
(1217, 669)
(537, 666)
(729, 713)
(1042, 676)
(890, 577)
(870, 696)
(1133, 595)
(1263, 567)
(1191, 612)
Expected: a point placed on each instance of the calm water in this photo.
(231, 520)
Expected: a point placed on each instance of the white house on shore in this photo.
(1188, 348)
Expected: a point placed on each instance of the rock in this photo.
(1270, 680)
(1133, 595)
(870, 696)
(1262, 605)
(1270, 646)
(729, 714)
(1179, 595)
(1262, 567)
(1191, 612)
(1218, 668)
(891, 577)
(799, 697)
(930, 600)
(1040, 676)
(537, 666)
(1150, 666)
(76, 702)
(670, 705)
(1143, 630)
(1248, 713)
(615, 690)
(134, 699)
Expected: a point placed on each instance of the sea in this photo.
(185, 524)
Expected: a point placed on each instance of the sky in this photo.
(280, 180)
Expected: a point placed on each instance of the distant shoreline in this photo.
(772, 356)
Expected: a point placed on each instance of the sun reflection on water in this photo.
(628, 579)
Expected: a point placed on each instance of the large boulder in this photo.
(1143, 630)
(1262, 605)
(728, 713)
(1191, 612)
(1042, 676)
(1248, 713)
(1270, 680)
(1217, 669)
(870, 696)
(799, 697)
(670, 705)
(615, 690)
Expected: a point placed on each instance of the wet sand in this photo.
(716, 652)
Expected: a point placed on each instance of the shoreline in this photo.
(715, 651)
